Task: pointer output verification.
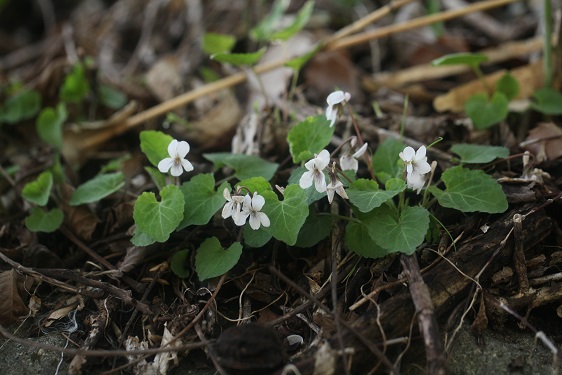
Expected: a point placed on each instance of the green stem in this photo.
(482, 79)
(547, 43)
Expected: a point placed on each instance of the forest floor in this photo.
(90, 89)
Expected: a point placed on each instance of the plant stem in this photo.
(547, 43)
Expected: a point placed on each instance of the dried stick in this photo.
(519, 254)
(436, 362)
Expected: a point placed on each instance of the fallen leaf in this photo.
(544, 141)
(12, 306)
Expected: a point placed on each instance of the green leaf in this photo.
(315, 229)
(97, 188)
(547, 101)
(245, 166)
(217, 43)
(479, 153)
(155, 144)
(485, 113)
(141, 239)
(40, 220)
(239, 58)
(287, 216)
(357, 239)
(386, 158)
(508, 86)
(469, 191)
(116, 164)
(256, 238)
(111, 97)
(312, 195)
(309, 137)
(268, 25)
(75, 86)
(179, 263)
(158, 177)
(38, 191)
(213, 260)
(298, 23)
(462, 58)
(255, 184)
(366, 196)
(395, 233)
(159, 219)
(22, 106)
(49, 125)
(201, 199)
(298, 62)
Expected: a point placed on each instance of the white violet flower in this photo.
(252, 208)
(349, 162)
(335, 187)
(335, 100)
(315, 172)
(232, 207)
(176, 163)
(416, 167)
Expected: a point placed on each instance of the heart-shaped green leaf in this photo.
(213, 260)
(485, 113)
(358, 239)
(479, 153)
(470, 191)
(256, 238)
(179, 263)
(403, 233)
(155, 144)
(508, 86)
(314, 230)
(21, 106)
(286, 216)
(159, 219)
(386, 158)
(40, 220)
(365, 194)
(97, 188)
(141, 239)
(245, 166)
(309, 137)
(38, 191)
(547, 101)
(202, 201)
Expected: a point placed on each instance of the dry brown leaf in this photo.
(530, 78)
(80, 219)
(134, 256)
(12, 288)
(544, 141)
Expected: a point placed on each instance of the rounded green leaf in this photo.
(245, 166)
(141, 239)
(202, 201)
(217, 43)
(357, 239)
(38, 191)
(159, 219)
(49, 125)
(508, 86)
(179, 263)
(386, 158)
(155, 144)
(547, 101)
(40, 220)
(22, 106)
(254, 185)
(479, 153)
(255, 238)
(213, 260)
(286, 216)
(309, 137)
(403, 233)
(314, 230)
(75, 86)
(365, 194)
(111, 97)
(470, 191)
(485, 113)
(97, 188)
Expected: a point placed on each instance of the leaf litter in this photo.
(118, 71)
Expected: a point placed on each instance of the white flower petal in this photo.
(186, 165)
(240, 218)
(264, 219)
(172, 147)
(165, 165)
(361, 151)
(420, 154)
(408, 154)
(335, 98)
(226, 194)
(423, 167)
(255, 221)
(348, 163)
(182, 149)
(176, 170)
(322, 160)
(319, 182)
(227, 210)
(330, 193)
(257, 202)
(306, 180)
